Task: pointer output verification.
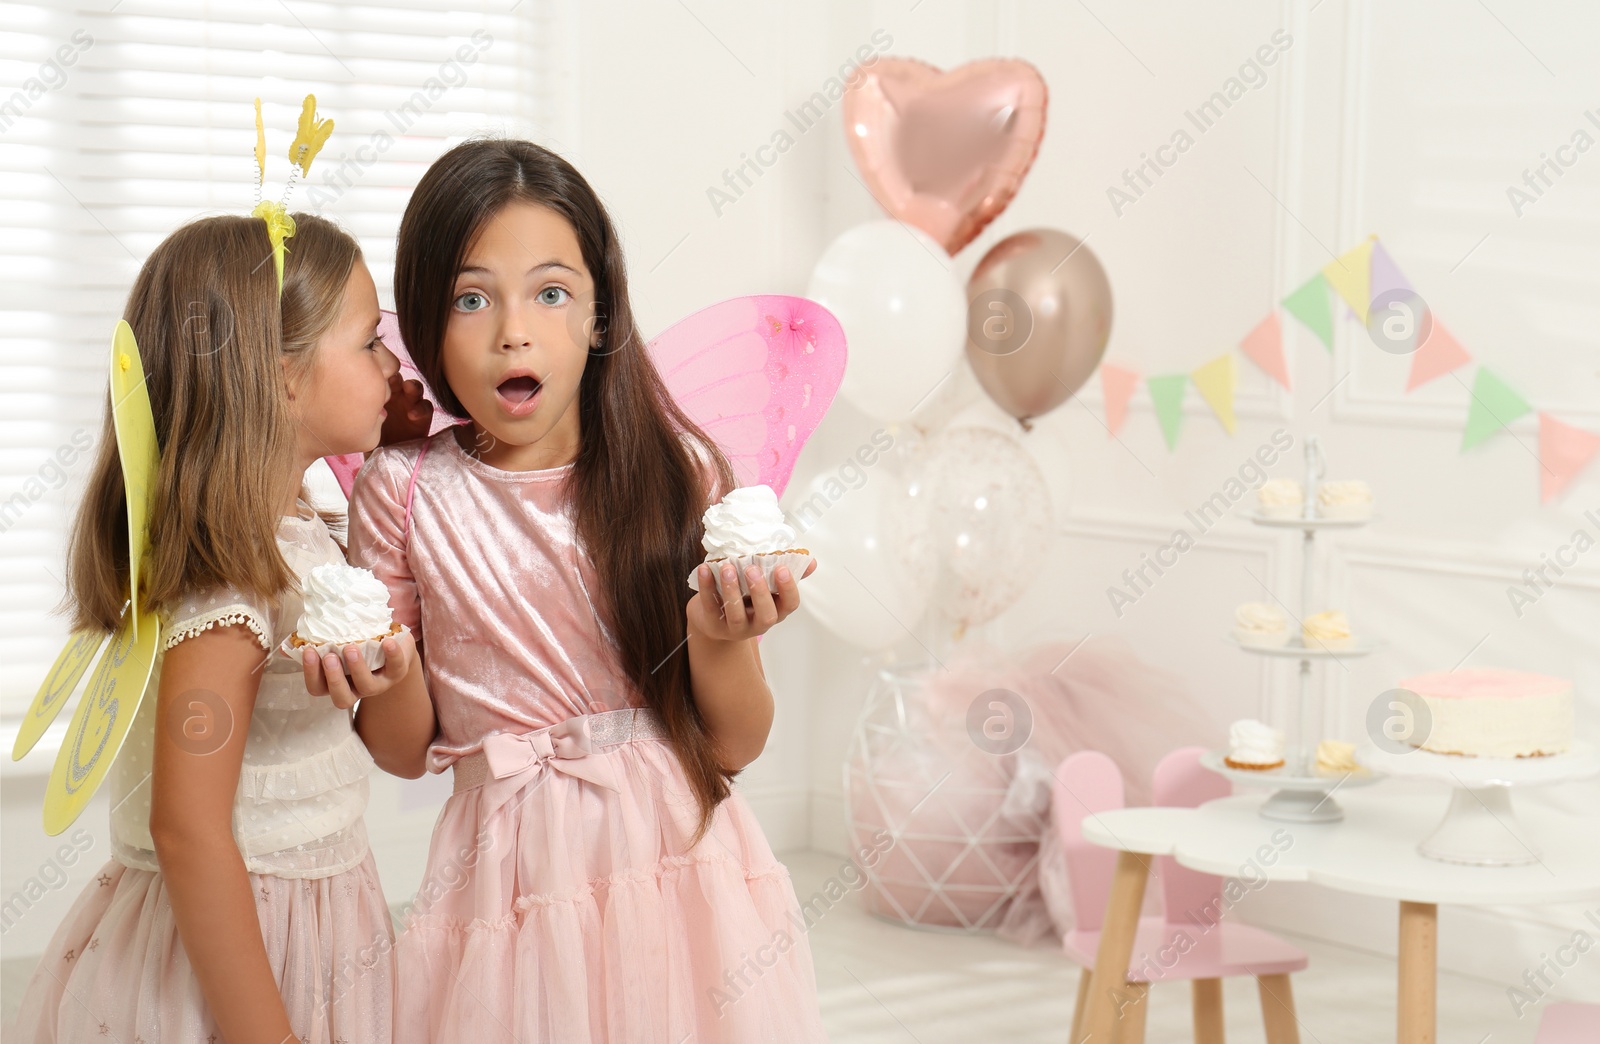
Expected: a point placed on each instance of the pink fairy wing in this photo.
(758, 374)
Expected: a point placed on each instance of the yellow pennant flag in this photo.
(1351, 277)
(1216, 381)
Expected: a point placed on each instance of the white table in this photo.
(1373, 851)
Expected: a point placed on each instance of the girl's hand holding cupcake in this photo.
(356, 680)
(346, 642)
(749, 552)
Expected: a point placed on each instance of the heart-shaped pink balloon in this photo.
(945, 151)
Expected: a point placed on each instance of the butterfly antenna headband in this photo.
(309, 138)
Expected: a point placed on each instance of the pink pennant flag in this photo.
(1436, 356)
(1563, 451)
(1118, 386)
(1264, 346)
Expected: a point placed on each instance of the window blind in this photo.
(119, 125)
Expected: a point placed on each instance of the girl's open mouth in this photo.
(520, 395)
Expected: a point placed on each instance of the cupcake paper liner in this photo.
(797, 559)
(371, 648)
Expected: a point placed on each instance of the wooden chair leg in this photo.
(1207, 1000)
(1117, 931)
(1419, 973)
(1081, 1007)
(1277, 1009)
(1130, 1027)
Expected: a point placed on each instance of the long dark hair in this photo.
(634, 462)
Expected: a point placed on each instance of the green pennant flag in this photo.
(1310, 305)
(1494, 405)
(1167, 395)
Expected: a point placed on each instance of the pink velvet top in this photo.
(492, 580)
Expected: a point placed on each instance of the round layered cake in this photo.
(1487, 712)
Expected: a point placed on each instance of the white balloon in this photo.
(854, 591)
(903, 310)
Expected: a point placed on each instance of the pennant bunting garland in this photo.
(1264, 347)
(1563, 451)
(1494, 405)
(1436, 356)
(1386, 277)
(1118, 386)
(1215, 381)
(1167, 395)
(1310, 305)
(1365, 278)
(1351, 277)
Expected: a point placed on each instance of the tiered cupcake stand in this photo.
(1300, 793)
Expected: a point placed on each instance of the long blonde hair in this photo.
(212, 331)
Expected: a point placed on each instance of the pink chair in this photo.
(1193, 940)
(1569, 1024)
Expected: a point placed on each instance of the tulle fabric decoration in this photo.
(957, 766)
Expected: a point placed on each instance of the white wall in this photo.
(1404, 119)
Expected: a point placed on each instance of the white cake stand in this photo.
(1295, 798)
(1302, 795)
(1480, 828)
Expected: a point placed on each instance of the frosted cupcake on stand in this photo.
(1254, 746)
(748, 528)
(1329, 630)
(1260, 625)
(1344, 500)
(1281, 499)
(344, 605)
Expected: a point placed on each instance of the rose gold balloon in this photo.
(1038, 318)
(945, 151)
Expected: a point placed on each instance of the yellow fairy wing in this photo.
(101, 722)
(59, 684)
(136, 446)
(310, 137)
(261, 146)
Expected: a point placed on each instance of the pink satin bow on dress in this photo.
(517, 759)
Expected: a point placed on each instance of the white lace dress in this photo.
(116, 968)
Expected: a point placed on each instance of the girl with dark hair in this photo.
(593, 877)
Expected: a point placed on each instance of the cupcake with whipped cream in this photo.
(344, 605)
(1329, 630)
(1352, 499)
(1260, 625)
(1281, 498)
(1337, 758)
(748, 528)
(1254, 745)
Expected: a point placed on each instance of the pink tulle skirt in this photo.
(116, 969)
(568, 912)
